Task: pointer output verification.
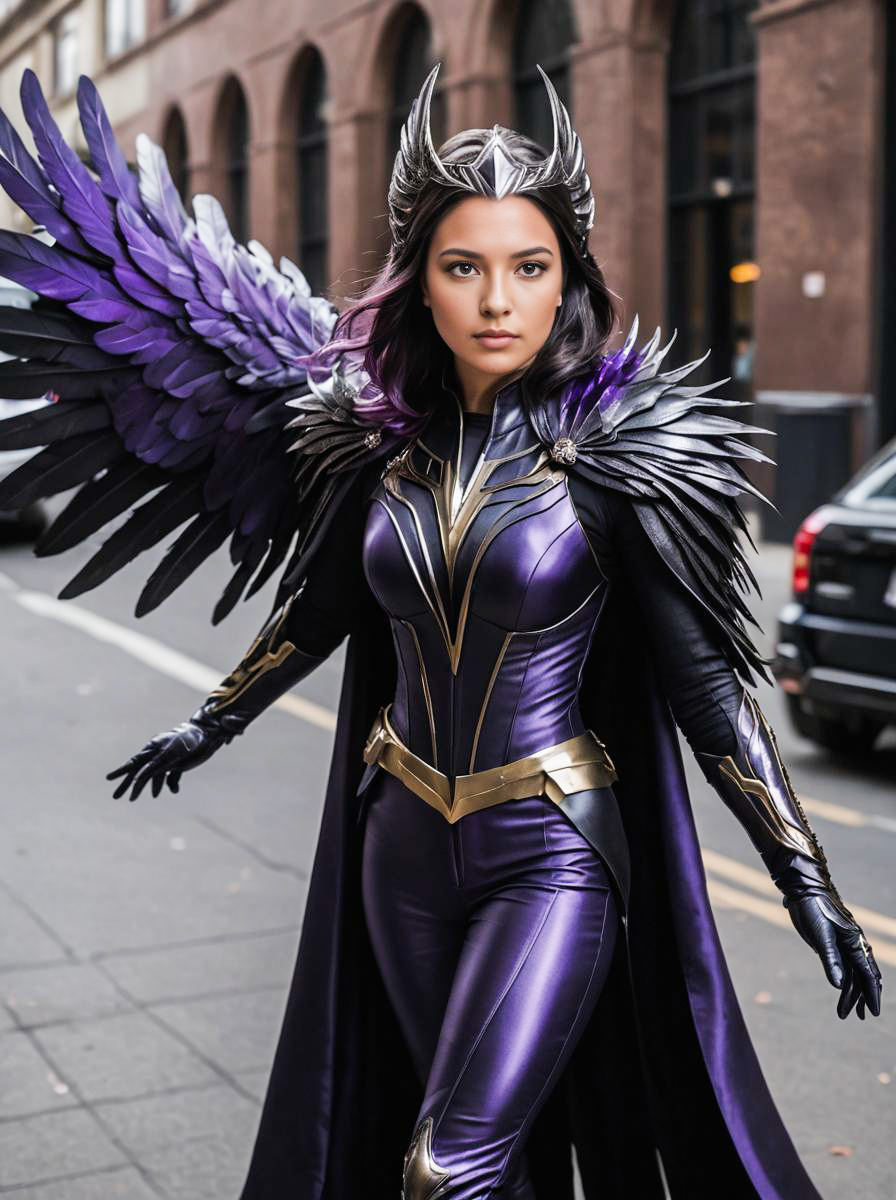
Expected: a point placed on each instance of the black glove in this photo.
(271, 666)
(167, 755)
(825, 923)
(755, 785)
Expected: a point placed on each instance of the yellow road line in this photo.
(834, 812)
(724, 896)
(760, 881)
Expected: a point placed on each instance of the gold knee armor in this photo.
(423, 1179)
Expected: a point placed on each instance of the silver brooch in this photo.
(372, 439)
(564, 450)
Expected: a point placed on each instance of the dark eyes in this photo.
(540, 269)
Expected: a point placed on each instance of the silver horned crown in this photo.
(494, 172)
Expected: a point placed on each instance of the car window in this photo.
(876, 481)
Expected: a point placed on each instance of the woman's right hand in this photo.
(167, 755)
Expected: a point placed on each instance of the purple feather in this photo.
(116, 179)
(145, 292)
(26, 184)
(154, 256)
(82, 199)
(160, 197)
(50, 271)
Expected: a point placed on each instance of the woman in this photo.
(532, 545)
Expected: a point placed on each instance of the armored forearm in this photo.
(753, 782)
(271, 666)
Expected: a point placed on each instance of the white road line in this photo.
(151, 652)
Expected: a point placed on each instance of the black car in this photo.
(836, 650)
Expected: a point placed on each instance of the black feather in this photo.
(49, 337)
(201, 537)
(31, 380)
(252, 555)
(98, 502)
(146, 526)
(60, 466)
(52, 423)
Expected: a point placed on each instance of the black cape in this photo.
(665, 1069)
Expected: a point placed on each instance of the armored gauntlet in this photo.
(270, 667)
(754, 784)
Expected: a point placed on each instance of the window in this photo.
(232, 153)
(413, 62)
(65, 53)
(125, 25)
(311, 168)
(544, 34)
(174, 143)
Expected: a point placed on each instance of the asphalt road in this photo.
(145, 948)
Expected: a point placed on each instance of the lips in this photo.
(496, 334)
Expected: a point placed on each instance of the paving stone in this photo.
(27, 1083)
(236, 1032)
(125, 1184)
(53, 1145)
(42, 995)
(255, 1081)
(122, 1057)
(205, 1169)
(155, 1121)
(164, 877)
(183, 971)
(24, 940)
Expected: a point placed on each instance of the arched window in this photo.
(232, 152)
(544, 32)
(711, 186)
(413, 62)
(174, 143)
(311, 174)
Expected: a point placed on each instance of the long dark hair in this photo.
(390, 333)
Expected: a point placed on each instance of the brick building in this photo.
(741, 153)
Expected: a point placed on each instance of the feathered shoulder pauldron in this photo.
(642, 432)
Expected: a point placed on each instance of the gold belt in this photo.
(572, 766)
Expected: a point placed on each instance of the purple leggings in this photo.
(494, 937)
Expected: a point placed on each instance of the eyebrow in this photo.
(474, 254)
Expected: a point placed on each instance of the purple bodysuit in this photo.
(494, 934)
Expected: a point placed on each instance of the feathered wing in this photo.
(640, 431)
(176, 353)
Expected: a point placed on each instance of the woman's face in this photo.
(493, 264)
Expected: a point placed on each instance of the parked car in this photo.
(836, 649)
(32, 520)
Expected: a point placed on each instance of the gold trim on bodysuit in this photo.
(424, 680)
(578, 764)
(455, 510)
(488, 695)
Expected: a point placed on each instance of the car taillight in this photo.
(802, 548)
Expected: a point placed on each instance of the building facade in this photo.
(741, 154)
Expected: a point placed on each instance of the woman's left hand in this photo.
(845, 954)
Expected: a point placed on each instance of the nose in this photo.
(495, 299)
